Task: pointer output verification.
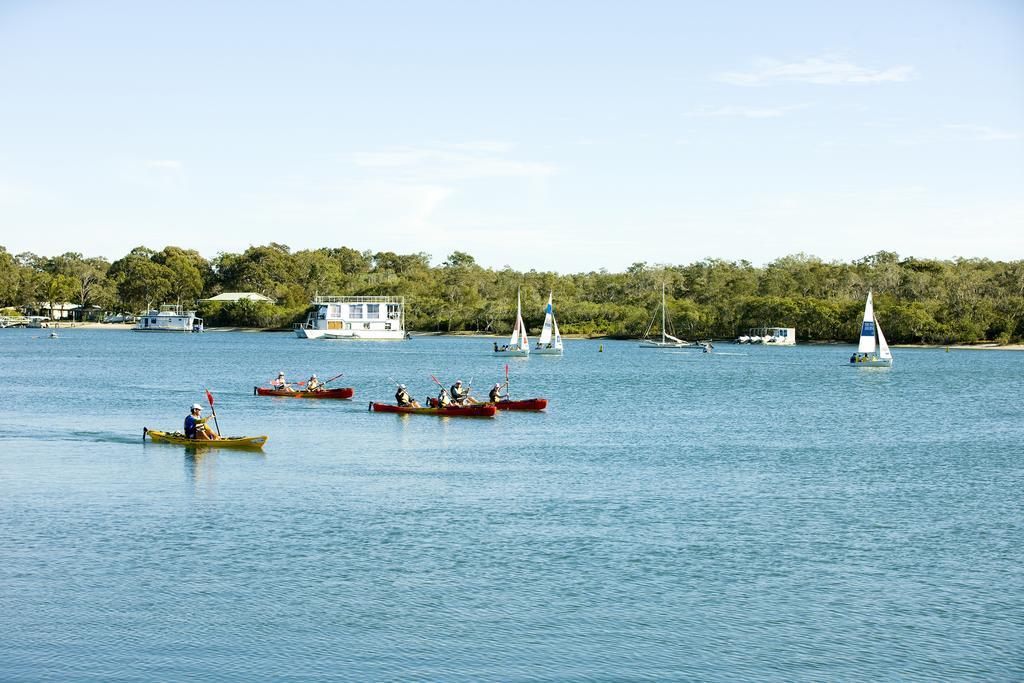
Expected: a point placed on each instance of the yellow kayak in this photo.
(223, 442)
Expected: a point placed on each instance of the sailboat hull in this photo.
(553, 351)
(664, 345)
(513, 353)
(873, 363)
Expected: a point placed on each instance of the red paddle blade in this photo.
(209, 397)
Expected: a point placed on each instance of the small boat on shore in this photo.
(247, 442)
(474, 410)
(341, 393)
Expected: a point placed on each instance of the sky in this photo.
(565, 136)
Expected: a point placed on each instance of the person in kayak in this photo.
(495, 395)
(461, 395)
(314, 384)
(281, 384)
(443, 400)
(403, 398)
(195, 426)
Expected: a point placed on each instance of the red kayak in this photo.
(532, 404)
(478, 410)
(535, 404)
(345, 392)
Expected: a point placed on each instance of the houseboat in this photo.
(374, 318)
(778, 336)
(169, 318)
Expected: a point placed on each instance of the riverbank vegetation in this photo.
(917, 300)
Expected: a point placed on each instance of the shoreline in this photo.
(980, 346)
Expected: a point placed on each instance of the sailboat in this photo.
(667, 340)
(518, 343)
(550, 342)
(870, 337)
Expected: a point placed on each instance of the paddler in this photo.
(314, 384)
(460, 395)
(403, 398)
(281, 384)
(495, 395)
(195, 426)
(443, 400)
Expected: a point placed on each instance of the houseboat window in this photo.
(372, 311)
(355, 311)
(335, 311)
(393, 312)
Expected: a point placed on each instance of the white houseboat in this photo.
(377, 318)
(778, 336)
(169, 318)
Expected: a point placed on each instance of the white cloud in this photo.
(978, 133)
(450, 162)
(744, 112)
(824, 70)
(166, 163)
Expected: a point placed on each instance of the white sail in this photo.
(883, 348)
(545, 333)
(516, 331)
(558, 337)
(867, 328)
(677, 340)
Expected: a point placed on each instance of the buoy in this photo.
(600, 348)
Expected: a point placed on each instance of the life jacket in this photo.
(403, 397)
(495, 395)
(457, 393)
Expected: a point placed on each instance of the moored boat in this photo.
(341, 393)
(170, 318)
(248, 442)
(667, 340)
(474, 410)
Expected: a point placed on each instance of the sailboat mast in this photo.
(662, 312)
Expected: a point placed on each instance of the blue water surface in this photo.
(760, 514)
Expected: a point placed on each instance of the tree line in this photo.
(917, 300)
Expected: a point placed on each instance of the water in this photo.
(757, 514)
